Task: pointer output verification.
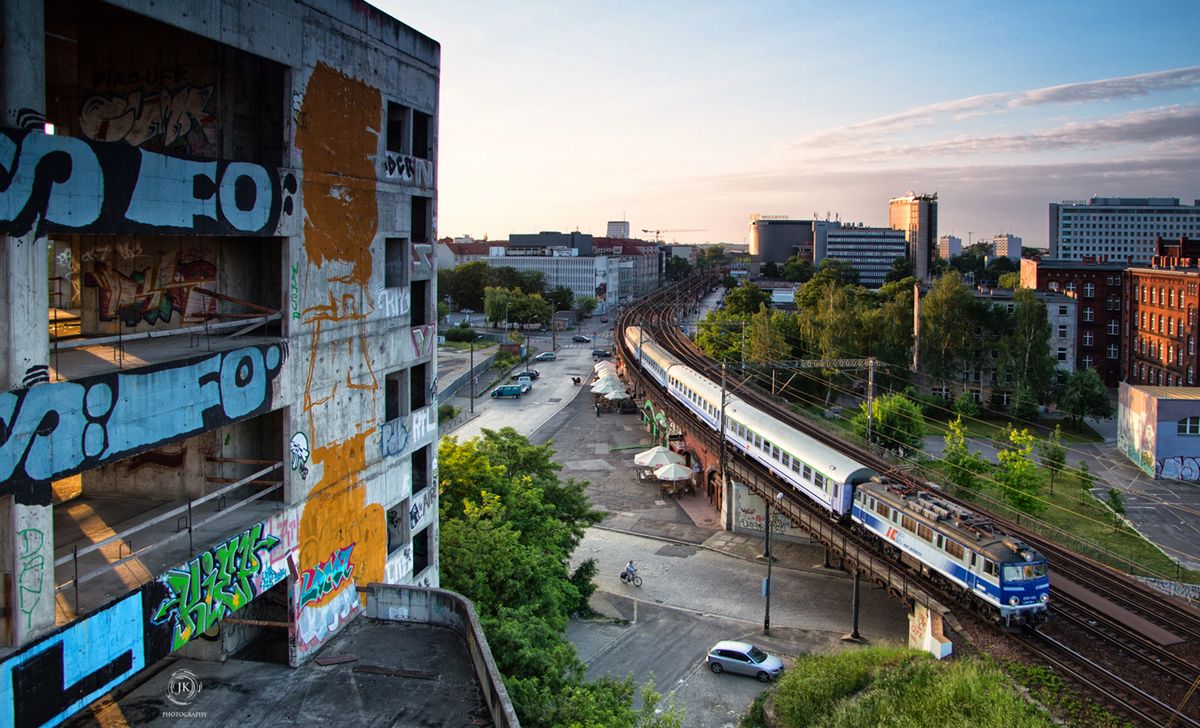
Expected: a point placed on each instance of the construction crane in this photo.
(658, 233)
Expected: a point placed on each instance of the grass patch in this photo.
(898, 687)
(1049, 690)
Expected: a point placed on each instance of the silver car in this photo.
(743, 658)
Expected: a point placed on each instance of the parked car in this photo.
(743, 658)
(604, 320)
(546, 356)
(531, 373)
(601, 353)
(580, 339)
(508, 390)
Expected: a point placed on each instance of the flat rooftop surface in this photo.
(393, 674)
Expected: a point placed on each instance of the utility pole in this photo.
(471, 374)
(721, 458)
(870, 396)
(767, 583)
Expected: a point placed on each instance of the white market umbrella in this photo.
(656, 457)
(673, 471)
(602, 370)
(615, 395)
(604, 386)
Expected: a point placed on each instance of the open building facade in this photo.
(219, 408)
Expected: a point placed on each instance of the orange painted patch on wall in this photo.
(338, 140)
(336, 514)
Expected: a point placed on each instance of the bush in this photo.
(504, 361)
(447, 412)
(462, 333)
(964, 404)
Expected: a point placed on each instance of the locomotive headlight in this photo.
(1046, 598)
(1014, 601)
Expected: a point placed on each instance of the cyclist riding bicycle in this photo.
(630, 570)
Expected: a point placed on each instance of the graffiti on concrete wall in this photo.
(422, 339)
(424, 506)
(393, 438)
(299, 452)
(154, 294)
(215, 584)
(59, 674)
(163, 115)
(393, 302)
(407, 170)
(1178, 468)
(61, 428)
(422, 260)
(399, 566)
(326, 576)
(31, 563)
(315, 624)
(65, 184)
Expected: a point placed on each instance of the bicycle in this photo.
(635, 579)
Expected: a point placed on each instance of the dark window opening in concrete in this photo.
(422, 208)
(395, 269)
(397, 122)
(422, 124)
(420, 545)
(395, 394)
(420, 303)
(222, 102)
(397, 527)
(419, 386)
(420, 470)
(267, 639)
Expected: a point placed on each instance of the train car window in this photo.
(974, 559)
(955, 549)
(807, 473)
(925, 532)
(908, 524)
(819, 481)
(939, 541)
(795, 465)
(881, 508)
(774, 451)
(836, 489)
(895, 516)
(989, 567)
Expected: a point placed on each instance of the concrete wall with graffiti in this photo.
(53, 677)
(750, 517)
(1136, 418)
(1148, 433)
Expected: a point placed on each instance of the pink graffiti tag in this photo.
(326, 576)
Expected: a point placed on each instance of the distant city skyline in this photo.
(698, 115)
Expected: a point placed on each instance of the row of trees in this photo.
(965, 340)
(508, 528)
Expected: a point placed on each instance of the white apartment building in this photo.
(1119, 229)
(595, 276)
(1007, 246)
(949, 246)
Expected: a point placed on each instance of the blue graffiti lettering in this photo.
(57, 429)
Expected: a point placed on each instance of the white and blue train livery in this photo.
(811, 467)
(959, 547)
(964, 551)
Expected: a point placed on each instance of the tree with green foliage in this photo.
(947, 330)
(722, 335)
(746, 300)
(1025, 347)
(765, 340)
(965, 406)
(1053, 456)
(1010, 280)
(1025, 406)
(1018, 476)
(1085, 396)
(769, 270)
(585, 305)
(464, 284)
(678, 268)
(797, 269)
(508, 528)
(962, 466)
(902, 267)
(897, 424)
(561, 298)
(1117, 505)
(710, 256)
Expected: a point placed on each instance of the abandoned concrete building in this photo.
(218, 417)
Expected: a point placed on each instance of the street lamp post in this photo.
(471, 373)
(767, 584)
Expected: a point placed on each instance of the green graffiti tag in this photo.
(213, 585)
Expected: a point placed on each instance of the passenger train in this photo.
(960, 549)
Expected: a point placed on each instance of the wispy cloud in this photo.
(958, 109)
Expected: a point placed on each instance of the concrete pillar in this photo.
(27, 555)
(925, 632)
(24, 331)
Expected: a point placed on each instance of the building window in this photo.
(1054, 285)
(395, 263)
(1088, 314)
(1172, 298)
(1070, 286)
(397, 123)
(1062, 310)
(1114, 327)
(422, 123)
(1062, 331)
(1088, 338)
(1062, 354)
(1191, 376)
(1086, 362)
(1112, 351)
(1089, 290)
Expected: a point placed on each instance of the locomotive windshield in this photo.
(1024, 572)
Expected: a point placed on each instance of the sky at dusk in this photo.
(564, 115)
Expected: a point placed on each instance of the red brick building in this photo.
(1162, 300)
(1098, 290)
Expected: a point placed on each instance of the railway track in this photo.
(1099, 642)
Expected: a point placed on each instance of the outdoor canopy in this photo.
(656, 457)
(673, 471)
